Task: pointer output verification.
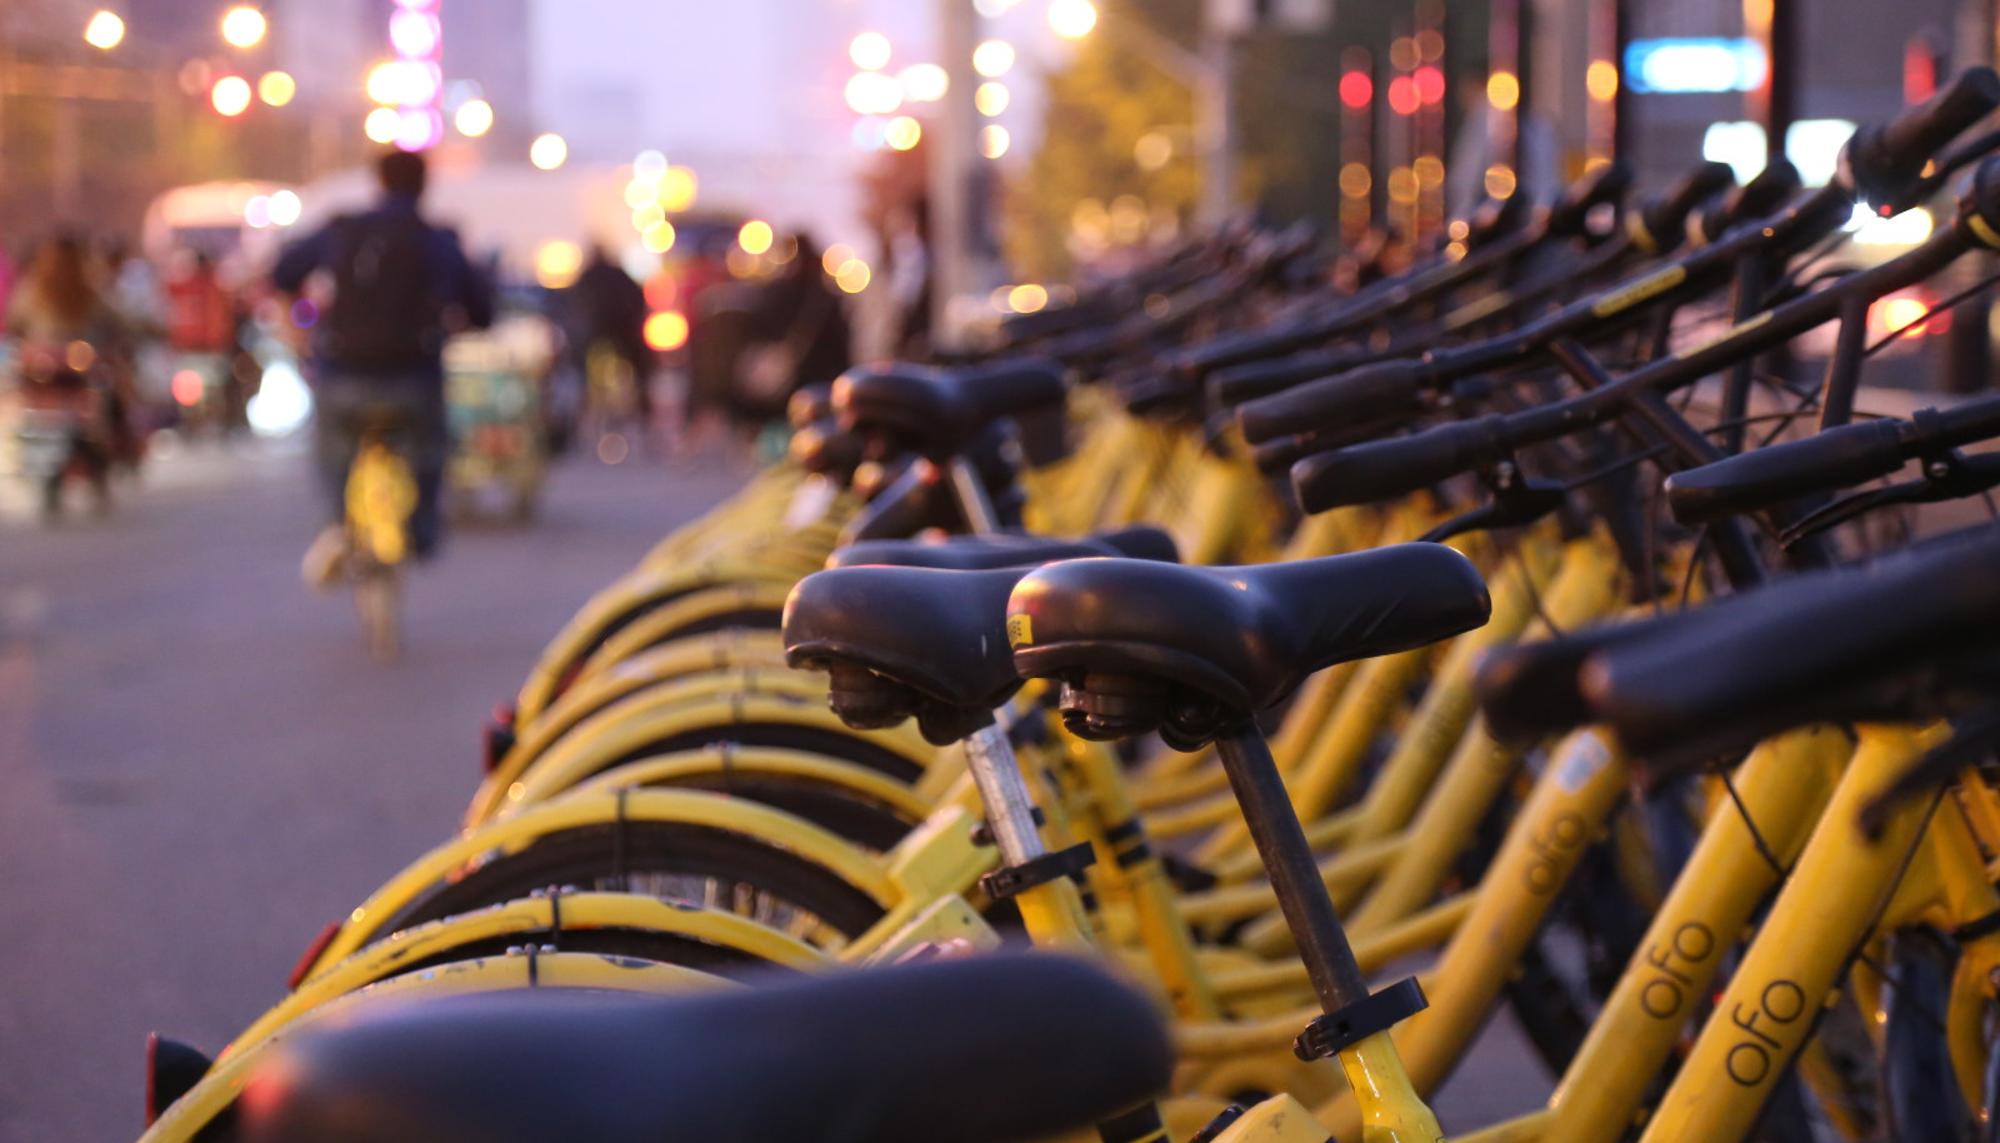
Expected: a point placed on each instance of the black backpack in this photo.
(385, 313)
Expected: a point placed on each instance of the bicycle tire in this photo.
(610, 857)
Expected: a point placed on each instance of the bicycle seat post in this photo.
(970, 490)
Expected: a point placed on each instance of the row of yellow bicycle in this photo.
(1197, 717)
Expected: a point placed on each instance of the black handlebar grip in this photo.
(1665, 218)
(1371, 393)
(1239, 383)
(1884, 162)
(1386, 469)
(1606, 184)
(1495, 218)
(1752, 481)
(1763, 195)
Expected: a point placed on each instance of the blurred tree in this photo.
(1108, 98)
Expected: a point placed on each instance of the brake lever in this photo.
(1947, 476)
(1517, 500)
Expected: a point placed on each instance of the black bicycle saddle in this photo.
(899, 642)
(981, 1050)
(1226, 641)
(936, 411)
(1005, 550)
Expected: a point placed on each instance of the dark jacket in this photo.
(454, 282)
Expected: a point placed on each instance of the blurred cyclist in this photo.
(400, 286)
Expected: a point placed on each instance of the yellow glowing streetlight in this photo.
(659, 236)
(1072, 19)
(277, 88)
(902, 133)
(853, 276)
(869, 51)
(473, 118)
(548, 152)
(104, 31)
(755, 237)
(557, 264)
(994, 140)
(381, 125)
(992, 98)
(244, 27)
(678, 189)
(230, 96)
(993, 58)
(924, 82)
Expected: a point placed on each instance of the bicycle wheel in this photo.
(697, 865)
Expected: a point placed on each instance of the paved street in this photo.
(201, 766)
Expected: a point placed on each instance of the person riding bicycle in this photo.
(401, 286)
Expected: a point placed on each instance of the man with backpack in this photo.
(400, 287)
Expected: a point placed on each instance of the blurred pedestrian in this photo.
(800, 333)
(908, 234)
(201, 334)
(64, 328)
(400, 287)
(604, 314)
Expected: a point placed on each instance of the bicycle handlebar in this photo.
(1839, 457)
(1382, 470)
(1659, 224)
(1885, 164)
(1368, 393)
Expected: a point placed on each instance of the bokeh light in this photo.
(924, 82)
(869, 51)
(243, 27)
(667, 331)
(104, 31)
(381, 124)
(992, 98)
(285, 208)
(755, 237)
(415, 35)
(853, 276)
(277, 88)
(903, 133)
(659, 237)
(1027, 299)
(993, 58)
(473, 118)
(230, 96)
(548, 152)
(1072, 19)
(557, 264)
(1503, 90)
(872, 93)
(994, 140)
(678, 189)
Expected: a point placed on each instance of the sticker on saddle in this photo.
(1020, 631)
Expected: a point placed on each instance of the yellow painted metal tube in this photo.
(690, 612)
(184, 1121)
(1564, 813)
(1334, 760)
(1784, 784)
(632, 594)
(1425, 930)
(714, 687)
(1441, 716)
(630, 729)
(1585, 588)
(531, 918)
(1824, 912)
(1235, 902)
(761, 823)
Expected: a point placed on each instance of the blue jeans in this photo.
(409, 410)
